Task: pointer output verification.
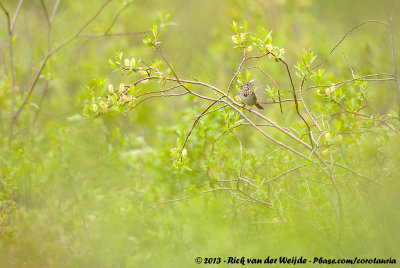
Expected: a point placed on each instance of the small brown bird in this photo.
(248, 96)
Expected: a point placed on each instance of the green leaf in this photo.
(263, 33)
(268, 38)
(240, 78)
(34, 105)
(155, 31)
(248, 75)
(148, 41)
(168, 16)
(112, 64)
(234, 26)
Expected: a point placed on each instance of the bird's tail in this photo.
(259, 106)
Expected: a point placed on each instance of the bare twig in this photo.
(189, 196)
(158, 96)
(394, 58)
(216, 109)
(115, 19)
(270, 137)
(113, 34)
(297, 105)
(53, 13)
(361, 78)
(180, 84)
(282, 174)
(355, 27)
(288, 195)
(16, 15)
(241, 159)
(303, 102)
(334, 183)
(158, 91)
(195, 123)
(358, 174)
(45, 12)
(11, 26)
(244, 59)
(15, 115)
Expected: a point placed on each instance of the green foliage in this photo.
(304, 66)
(163, 21)
(113, 172)
(261, 41)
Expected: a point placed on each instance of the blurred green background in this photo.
(78, 192)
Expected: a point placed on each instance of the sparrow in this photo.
(247, 95)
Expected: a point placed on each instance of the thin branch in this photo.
(112, 34)
(316, 143)
(240, 178)
(48, 24)
(216, 109)
(241, 159)
(83, 27)
(15, 115)
(295, 100)
(248, 124)
(158, 91)
(355, 27)
(237, 72)
(158, 96)
(334, 184)
(275, 102)
(361, 78)
(46, 86)
(394, 58)
(358, 174)
(180, 84)
(115, 19)
(270, 137)
(241, 124)
(16, 15)
(195, 123)
(282, 174)
(45, 12)
(240, 67)
(189, 196)
(53, 13)
(288, 195)
(11, 56)
(304, 103)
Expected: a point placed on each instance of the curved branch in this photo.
(355, 27)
